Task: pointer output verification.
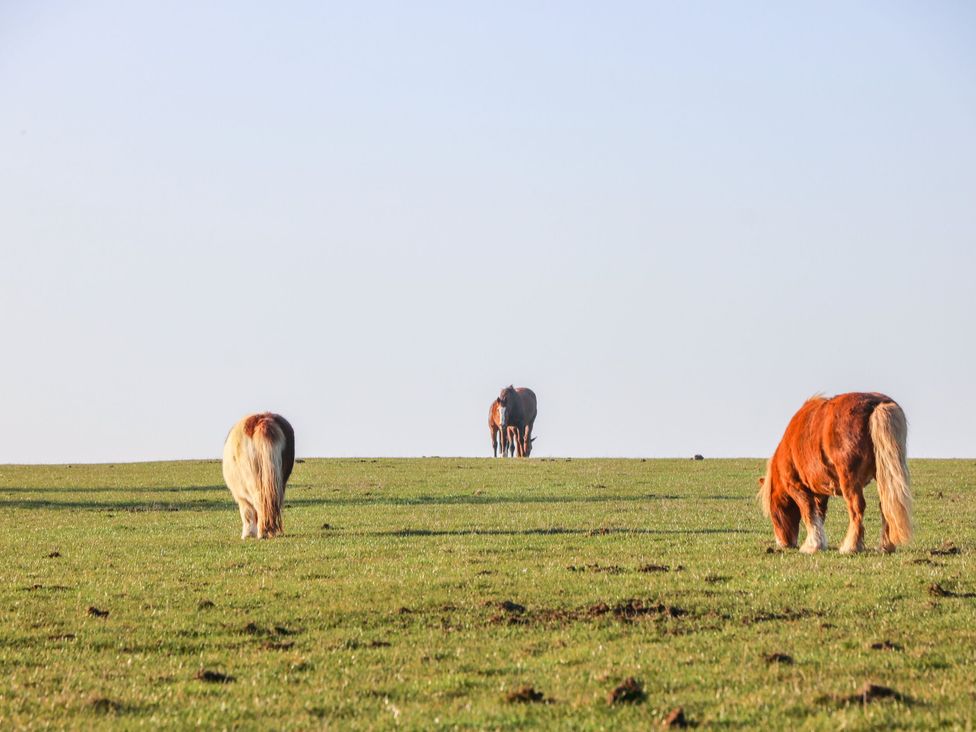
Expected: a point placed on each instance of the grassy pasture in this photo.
(385, 604)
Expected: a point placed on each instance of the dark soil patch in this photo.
(511, 607)
(873, 692)
(404, 611)
(607, 568)
(676, 719)
(49, 588)
(885, 645)
(485, 572)
(213, 677)
(205, 604)
(277, 645)
(62, 637)
(627, 611)
(947, 549)
(54, 555)
(631, 691)
(782, 658)
(633, 609)
(94, 612)
(253, 629)
(354, 644)
(715, 578)
(326, 527)
(526, 695)
(104, 705)
(786, 614)
(922, 560)
(648, 568)
(937, 590)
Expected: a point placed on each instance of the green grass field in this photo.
(420, 593)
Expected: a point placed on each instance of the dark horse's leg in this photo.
(494, 441)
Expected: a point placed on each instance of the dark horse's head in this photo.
(508, 406)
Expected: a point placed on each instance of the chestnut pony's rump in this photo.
(258, 457)
(835, 447)
(499, 434)
(517, 412)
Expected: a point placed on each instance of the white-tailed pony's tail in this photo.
(889, 433)
(268, 442)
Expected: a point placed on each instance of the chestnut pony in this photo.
(499, 435)
(517, 408)
(258, 457)
(835, 447)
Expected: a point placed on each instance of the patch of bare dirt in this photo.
(786, 614)
(947, 549)
(937, 590)
(213, 677)
(607, 568)
(647, 568)
(633, 608)
(885, 645)
(780, 658)
(205, 604)
(94, 612)
(104, 705)
(631, 691)
(676, 719)
(274, 645)
(715, 578)
(874, 692)
(54, 555)
(526, 695)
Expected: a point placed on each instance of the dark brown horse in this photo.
(835, 447)
(517, 410)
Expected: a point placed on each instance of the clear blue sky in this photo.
(674, 221)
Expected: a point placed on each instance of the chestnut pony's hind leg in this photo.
(854, 540)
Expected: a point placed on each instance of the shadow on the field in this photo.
(488, 499)
(545, 532)
(167, 499)
(115, 489)
(152, 499)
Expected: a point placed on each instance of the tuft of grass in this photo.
(421, 593)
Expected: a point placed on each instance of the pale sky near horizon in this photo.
(674, 221)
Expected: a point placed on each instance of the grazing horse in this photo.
(258, 457)
(834, 447)
(518, 409)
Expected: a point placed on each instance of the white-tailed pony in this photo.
(258, 457)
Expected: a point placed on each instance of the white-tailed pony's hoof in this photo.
(887, 548)
(851, 548)
(809, 548)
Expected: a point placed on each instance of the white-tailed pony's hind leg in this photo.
(249, 520)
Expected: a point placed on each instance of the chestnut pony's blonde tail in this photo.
(889, 433)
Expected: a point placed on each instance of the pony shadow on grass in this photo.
(556, 530)
(152, 501)
(166, 499)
